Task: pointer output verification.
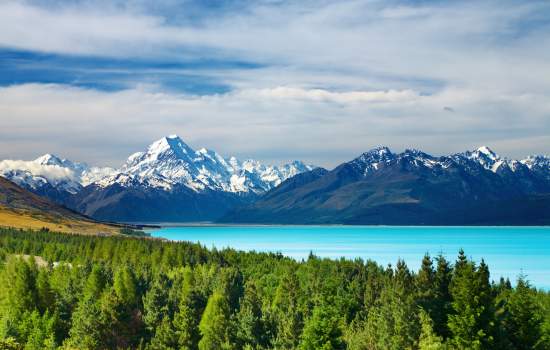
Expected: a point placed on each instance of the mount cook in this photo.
(170, 181)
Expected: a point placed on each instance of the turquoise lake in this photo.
(509, 251)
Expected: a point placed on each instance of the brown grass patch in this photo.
(36, 221)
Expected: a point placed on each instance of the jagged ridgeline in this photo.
(88, 292)
(171, 182)
(411, 188)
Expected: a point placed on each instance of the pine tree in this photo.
(322, 331)
(113, 321)
(40, 333)
(442, 298)
(250, 328)
(165, 337)
(485, 299)
(95, 283)
(86, 331)
(126, 286)
(287, 316)
(428, 340)
(425, 285)
(393, 322)
(524, 321)
(155, 306)
(44, 292)
(186, 320)
(471, 319)
(17, 296)
(214, 325)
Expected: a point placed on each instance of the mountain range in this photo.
(170, 182)
(411, 188)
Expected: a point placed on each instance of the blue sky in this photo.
(321, 81)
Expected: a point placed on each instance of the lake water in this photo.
(508, 251)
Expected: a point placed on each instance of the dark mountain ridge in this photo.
(411, 188)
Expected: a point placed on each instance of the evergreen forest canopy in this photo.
(87, 292)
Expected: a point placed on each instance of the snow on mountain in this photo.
(378, 157)
(373, 159)
(170, 161)
(537, 162)
(50, 170)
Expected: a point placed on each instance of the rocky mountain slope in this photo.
(412, 187)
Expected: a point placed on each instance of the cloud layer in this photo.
(320, 81)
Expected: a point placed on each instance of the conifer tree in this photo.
(250, 328)
(40, 333)
(17, 296)
(126, 286)
(524, 320)
(428, 340)
(155, 306)
(95, 283)
(425, 284)
(86, 332)
(470, 321)
(186, 320)
(214, 325)
(285, 309)
(442, 298)
(322, 331)
(393, 322)
(165, 337)
(44, 292)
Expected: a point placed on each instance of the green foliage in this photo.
(214, 325)
(132, 232)
(524, 324)
(126, 286)
(471, 320)
(86, 330)
(186, 320)
(392, 323)
(250, 325)
(428, 340)
(133, 293)
(322, 331)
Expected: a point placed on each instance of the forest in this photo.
(63, 291)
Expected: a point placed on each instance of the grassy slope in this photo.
(21, 209)
(34, 220)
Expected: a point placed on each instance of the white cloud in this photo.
(336, 79)
(51, 172)
(282, 92)
(105, 127)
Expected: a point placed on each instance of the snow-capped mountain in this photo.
(52, 176)
(483, 157)
(170, 181)
(170, 162)
(411, 188)
(167, 181)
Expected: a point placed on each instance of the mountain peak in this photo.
(48, 159)
(378, 153)
(171, 143)
(487, 152)
(381, 150)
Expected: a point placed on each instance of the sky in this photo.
(275, 80)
